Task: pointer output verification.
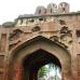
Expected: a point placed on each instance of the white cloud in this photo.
(10, 9)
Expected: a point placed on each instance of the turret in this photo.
(51, 8)
(41, 10)
(63, 8)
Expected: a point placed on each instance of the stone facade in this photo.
(56, 34)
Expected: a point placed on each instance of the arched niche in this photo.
(17, 55)
(33, 62)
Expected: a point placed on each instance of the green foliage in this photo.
(47, 69)
(42, 72)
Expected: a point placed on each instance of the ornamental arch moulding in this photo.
(26, 48)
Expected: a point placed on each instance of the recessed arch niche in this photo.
(32, 63)
(19, 58)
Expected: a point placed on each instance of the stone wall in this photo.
(63, 29)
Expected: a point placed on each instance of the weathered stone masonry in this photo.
(58, 34)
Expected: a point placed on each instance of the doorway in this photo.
(41, 65)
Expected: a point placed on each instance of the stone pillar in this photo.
(3, 43)
(5, 74)
(66, 76)
(17, 72)
(66, 72)
(78, 67)
(74, 56)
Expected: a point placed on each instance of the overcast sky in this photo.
(11, 9)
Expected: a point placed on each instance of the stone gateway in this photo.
(52, 34)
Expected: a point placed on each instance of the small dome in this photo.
(41, 10)
(65, 3)
(52, 5)
(52, 8)
(63, 7)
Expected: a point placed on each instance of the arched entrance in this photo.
(38, 59)
(26, 59)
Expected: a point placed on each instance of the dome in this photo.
(64, 3)
(63, 7)
(52, 5)
(41, 10)
(52, 8)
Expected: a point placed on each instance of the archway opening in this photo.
(34, 62)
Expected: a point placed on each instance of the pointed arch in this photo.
(29, 47)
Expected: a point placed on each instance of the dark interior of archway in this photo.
(33, 62)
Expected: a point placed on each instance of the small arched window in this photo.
(21, 22)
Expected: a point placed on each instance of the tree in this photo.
(42, 71)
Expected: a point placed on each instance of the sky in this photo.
(11, 9)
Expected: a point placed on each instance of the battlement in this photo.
(52, 8)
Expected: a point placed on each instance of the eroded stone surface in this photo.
(34, 32)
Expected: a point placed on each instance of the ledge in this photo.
(54, 15)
